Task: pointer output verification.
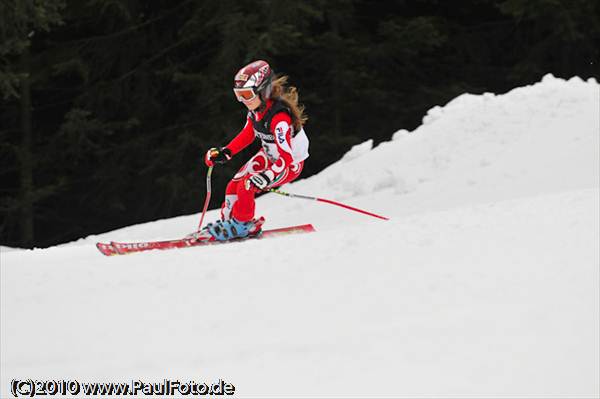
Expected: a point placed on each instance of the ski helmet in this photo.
(252, 80)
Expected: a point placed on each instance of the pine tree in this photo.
(20, 21)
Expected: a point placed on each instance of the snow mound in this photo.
(530, 140)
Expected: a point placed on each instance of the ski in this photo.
(124, 248)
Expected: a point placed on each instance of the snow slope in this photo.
(485, 283)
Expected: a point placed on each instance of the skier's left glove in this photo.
(258, 182)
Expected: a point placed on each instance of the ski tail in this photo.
(305, 228)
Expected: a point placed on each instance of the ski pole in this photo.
(274, 190)
(207, 200)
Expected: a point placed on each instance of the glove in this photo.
(258, 182)
(216, 155)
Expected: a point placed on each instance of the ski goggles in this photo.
(244, 93)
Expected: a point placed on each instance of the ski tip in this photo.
(105, 249)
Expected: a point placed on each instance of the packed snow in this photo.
(484, 283)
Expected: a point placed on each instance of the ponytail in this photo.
(289, 96)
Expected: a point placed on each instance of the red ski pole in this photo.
(274, 190)
(207, 200)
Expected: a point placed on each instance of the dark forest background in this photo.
(109, 105)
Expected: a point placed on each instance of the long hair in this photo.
(289, 95)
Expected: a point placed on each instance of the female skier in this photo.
(275, 117)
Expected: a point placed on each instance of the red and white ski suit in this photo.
(281, 158)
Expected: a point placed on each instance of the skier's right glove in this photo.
(217, 155)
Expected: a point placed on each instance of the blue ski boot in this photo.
(223, 230)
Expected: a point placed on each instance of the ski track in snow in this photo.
(485, 283)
